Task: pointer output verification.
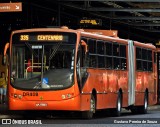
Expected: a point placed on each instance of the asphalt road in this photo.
(65, 119)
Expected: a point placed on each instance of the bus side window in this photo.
(150, 58)
(92, 53)
(109, 62)
(100, 54)
(139, 58)
(116, 63)
(139, 64)
(116, 59)
(109, 58)
(92, 46)
(123, 57)
(92, 61)
(145, 59)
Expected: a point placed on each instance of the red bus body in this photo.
(103, 83)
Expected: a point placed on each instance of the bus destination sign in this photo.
(49, 37)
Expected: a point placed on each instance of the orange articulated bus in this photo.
(76, 70)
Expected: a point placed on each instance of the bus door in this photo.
(81, 64)
(18, 62)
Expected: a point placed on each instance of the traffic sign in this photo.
(11, 7)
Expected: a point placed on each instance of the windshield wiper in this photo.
(38, 85)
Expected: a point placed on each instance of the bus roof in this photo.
(144, 45)
(43, 29)
(111, 35)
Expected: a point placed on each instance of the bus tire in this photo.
(119, 105)
(89, 114)
(143, 109)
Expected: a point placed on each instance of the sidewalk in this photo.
(154, 107)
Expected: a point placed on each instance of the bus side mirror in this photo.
(83, 43)
(4, 58)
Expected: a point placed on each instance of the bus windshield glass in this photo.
(42, 60)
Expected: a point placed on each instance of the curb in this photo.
(154, 107)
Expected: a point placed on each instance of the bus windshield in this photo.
(42, 61)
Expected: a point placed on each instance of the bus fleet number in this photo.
(24, 37)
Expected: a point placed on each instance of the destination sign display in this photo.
(50, 37)
(42, 38)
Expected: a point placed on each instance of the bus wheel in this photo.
(144, 108)
(119, 105)
(89, 114)
(141, 109)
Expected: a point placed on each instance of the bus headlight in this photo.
(15, 95)
(67, 96)
(20, 96)
(63, 97)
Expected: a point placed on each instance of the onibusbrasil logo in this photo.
(15, 121)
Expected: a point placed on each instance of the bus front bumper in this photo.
(72, 104)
